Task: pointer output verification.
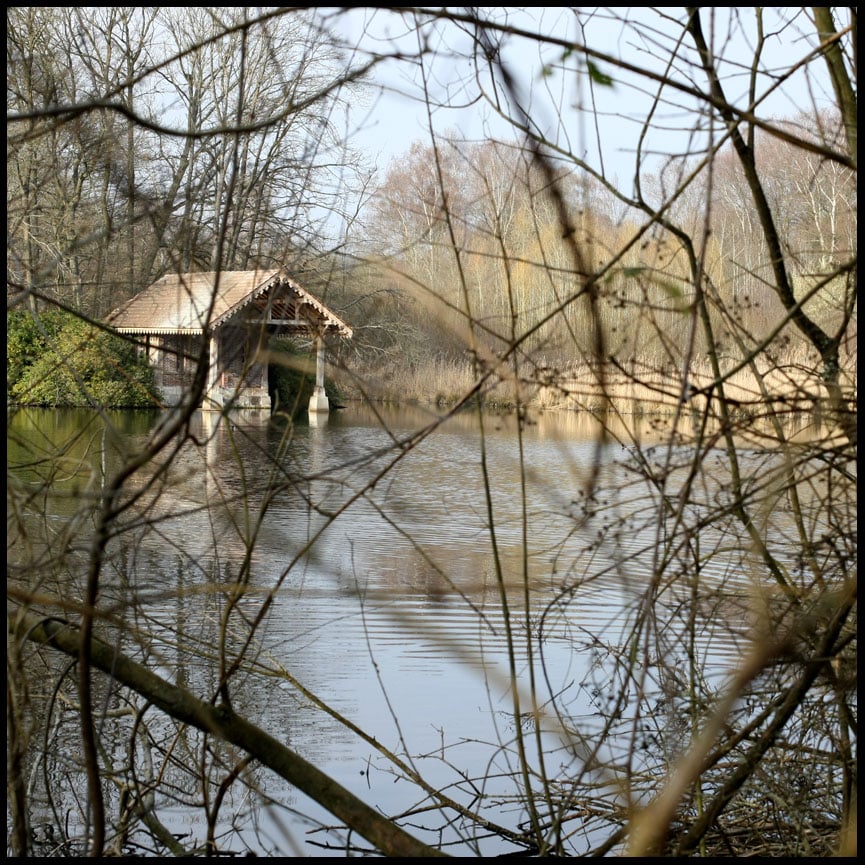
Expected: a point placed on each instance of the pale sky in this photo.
(398, 117)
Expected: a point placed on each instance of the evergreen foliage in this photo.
(56, 359)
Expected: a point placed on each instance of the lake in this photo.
(426, 583)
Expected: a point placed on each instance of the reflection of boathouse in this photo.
(226, 318)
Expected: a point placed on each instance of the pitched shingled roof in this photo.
(181, 303)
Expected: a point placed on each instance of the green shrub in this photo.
(56, 359)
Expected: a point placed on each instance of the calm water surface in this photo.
(386, 583)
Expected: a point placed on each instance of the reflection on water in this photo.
(403, 583)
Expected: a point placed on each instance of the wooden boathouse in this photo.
(233, 314)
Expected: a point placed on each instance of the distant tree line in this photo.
(103, 201)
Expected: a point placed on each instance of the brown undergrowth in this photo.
(787, 385)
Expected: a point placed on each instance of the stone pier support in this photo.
(318, 402)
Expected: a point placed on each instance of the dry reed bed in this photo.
(790, 385)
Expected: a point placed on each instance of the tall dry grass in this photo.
(790, 382)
